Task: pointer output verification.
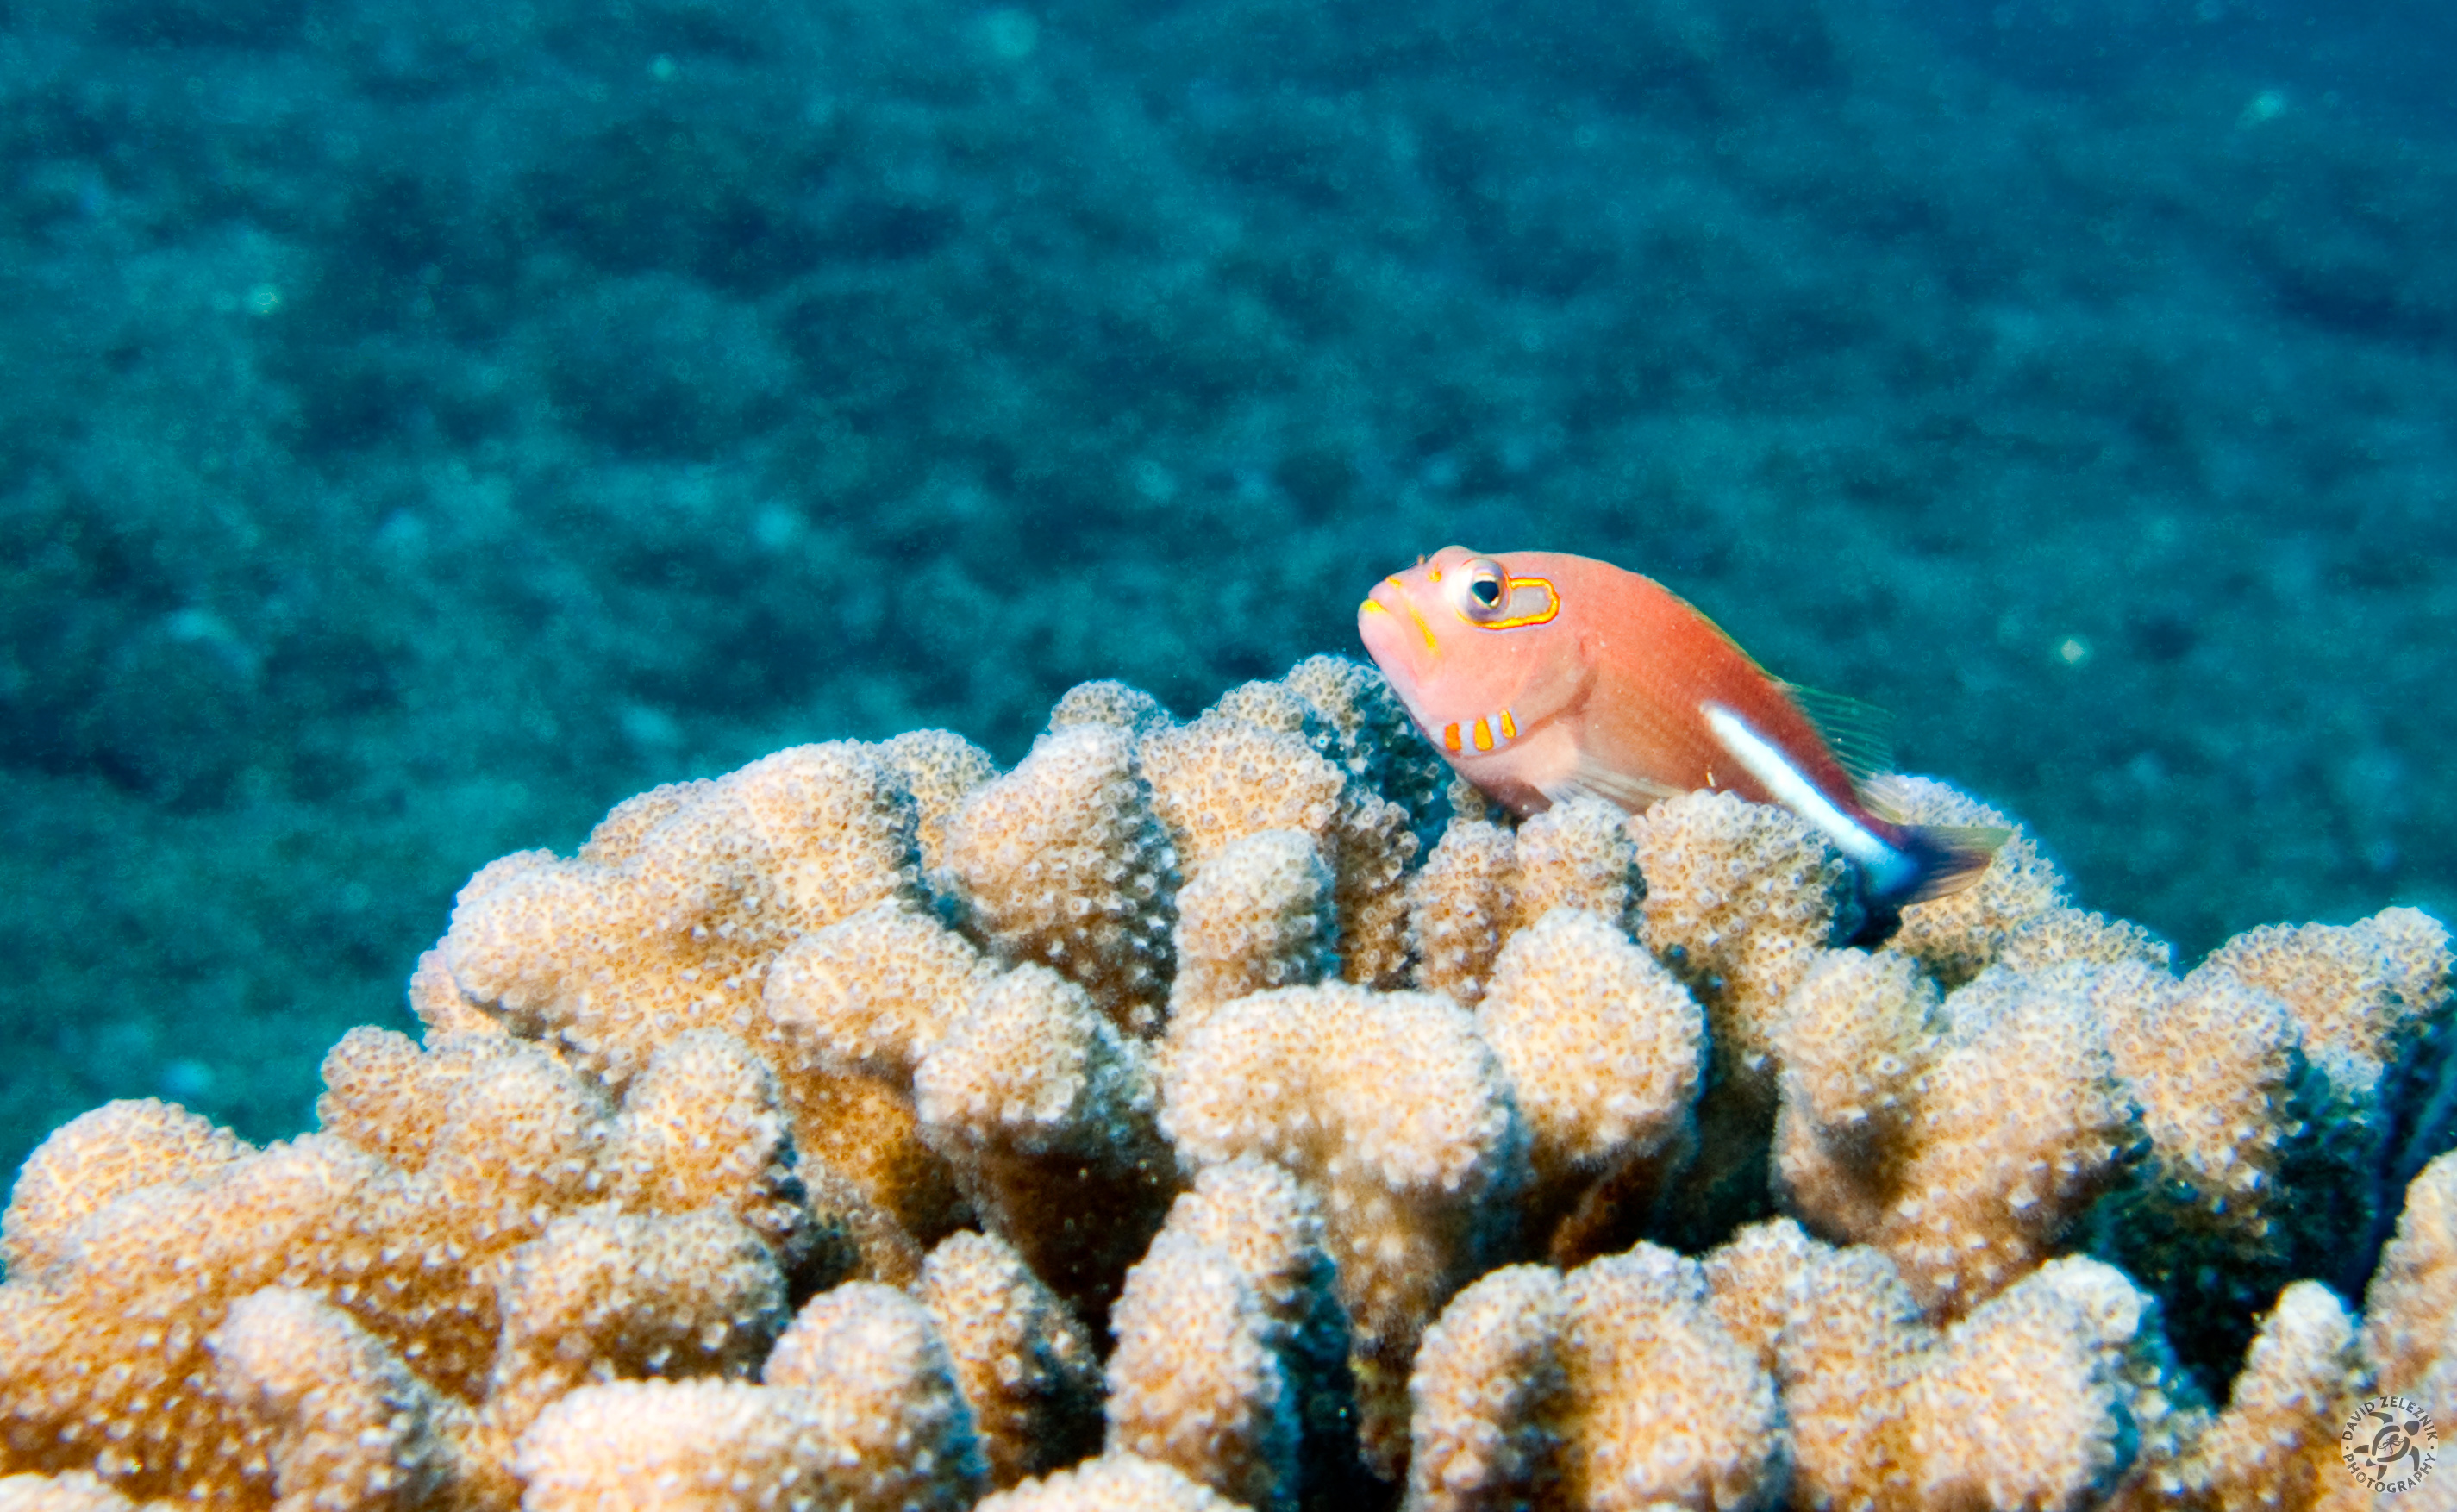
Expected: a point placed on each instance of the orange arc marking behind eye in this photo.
(1552, 606)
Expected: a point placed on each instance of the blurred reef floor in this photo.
(421, 426)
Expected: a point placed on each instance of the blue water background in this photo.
(423, 426)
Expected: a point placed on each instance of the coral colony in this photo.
(1231, 1114)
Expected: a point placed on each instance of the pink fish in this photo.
(1543, 677)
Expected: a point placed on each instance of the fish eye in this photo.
(1482, 591)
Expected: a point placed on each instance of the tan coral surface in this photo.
(1152, 1126)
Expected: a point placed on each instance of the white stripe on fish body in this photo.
(1888, 871)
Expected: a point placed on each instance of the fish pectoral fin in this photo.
(1591, 778)
(1950, 857)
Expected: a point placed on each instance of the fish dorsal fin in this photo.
(1860, 734)
(1593, 778)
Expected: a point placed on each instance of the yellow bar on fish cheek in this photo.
(1449, 737)
(1509, 726)
(1424, 629)
(1484, 735)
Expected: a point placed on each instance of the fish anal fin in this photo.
(1951, 857)
(1860, 734)
(1886, 795)
(1624, 791)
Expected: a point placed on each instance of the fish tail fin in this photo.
(1944, 858)
(1950, 857)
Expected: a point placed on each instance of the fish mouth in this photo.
(1394, 634)
(1377, 624)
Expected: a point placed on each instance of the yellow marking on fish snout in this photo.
(1450, 738)
(1484, 735)
(1374, 605)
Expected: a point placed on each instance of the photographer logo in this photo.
(2390, 1445)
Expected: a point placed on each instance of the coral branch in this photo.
(800, 1140)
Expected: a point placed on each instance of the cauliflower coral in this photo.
(1221, 1114)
